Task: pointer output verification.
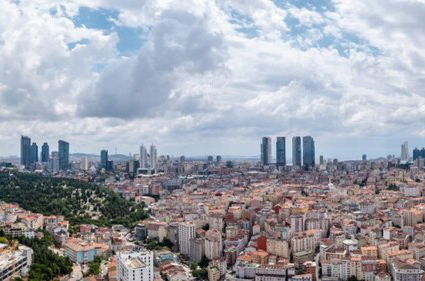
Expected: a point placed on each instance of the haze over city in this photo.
(213, 77)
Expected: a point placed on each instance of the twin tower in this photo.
(307, 150)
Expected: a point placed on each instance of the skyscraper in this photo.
(54, 162)
(266, 150)
(45, 153)
(143, 157)
(63, 150)
(25, 151)
(364, 157)
(281, 151)
(404, 152)
(296, 151)
(34, 153)
(308, 152)
(416, 153)
(153, 157)
(103, 159)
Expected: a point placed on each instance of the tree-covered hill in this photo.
(79, 201)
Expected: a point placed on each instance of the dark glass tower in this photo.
(63, 149)
(308, 152)
(296, 151)
(34, 153)
(45, 153)
(266, 150)
(281, 151)
(104, 159)
(25, 151)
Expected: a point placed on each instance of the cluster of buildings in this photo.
(248, 221)
(307, 150)
(54, 162)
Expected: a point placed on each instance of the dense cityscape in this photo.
(195, 219)
(212, 140)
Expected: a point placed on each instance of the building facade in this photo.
(281, 152)
(296, 151)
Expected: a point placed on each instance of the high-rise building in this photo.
(416, 153)
(296, 151)
(210, 158)
(321, 160)
(153, 157)
(218, 158)
(54, 162)
(25, 151)
(103, 159)
(63, 150)
(266, 150)
(143, 157)
(34, 153)
(45, 153)
(364, 157)
(281, 151)
(213, 244)
(135, 266)
(308, 152)
(405, 152)
(186, 233)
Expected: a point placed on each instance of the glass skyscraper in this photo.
(104, 159)
(25, 151)
(63, 150)
(45, 153)
(281, 151)
(308, 152)
(296, 151)
(34, 153)
(266, 150)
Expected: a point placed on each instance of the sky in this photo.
(200, 77)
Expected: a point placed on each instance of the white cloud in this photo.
(199, 77)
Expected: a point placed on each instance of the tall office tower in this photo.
(416, 153)
(423, 152)
(266, 150)
(143, 157)
(308, 152)
(218, 158)
(186, 232)
(63, 150)
(103, 159)
(153, 157)
(25, 151)
(405, 152)
(45, 153)
(321, 160)
(281, 151)
(135, 266)
(296, 151)
(34, 153)
(54, 162)
(364, 157)
(210, 158)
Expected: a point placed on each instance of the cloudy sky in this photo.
(213, 76)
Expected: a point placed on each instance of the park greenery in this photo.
(79, 201)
